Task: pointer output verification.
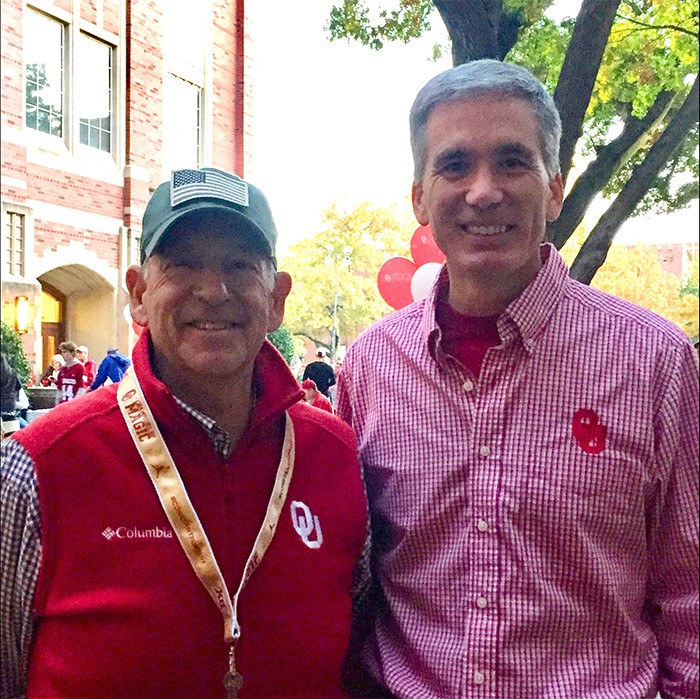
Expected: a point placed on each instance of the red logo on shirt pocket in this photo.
(588, 431)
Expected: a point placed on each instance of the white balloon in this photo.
(423, 279)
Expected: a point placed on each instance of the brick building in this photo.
(677, 258)
(101, 100)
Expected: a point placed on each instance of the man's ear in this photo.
(136, 284)
(418, 208)
(283, 285)
(556, 197)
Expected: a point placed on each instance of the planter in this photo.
(42, 397)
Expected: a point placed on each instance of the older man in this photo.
(179, 525)
(89, 364)
(530, 444)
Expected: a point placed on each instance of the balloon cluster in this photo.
(401, 281)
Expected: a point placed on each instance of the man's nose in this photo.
(483, 188)
(212, 286)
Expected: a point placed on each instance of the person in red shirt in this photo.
(314, 397)
(71, 378)
(89, 364)
(211, 399)
(529, 444)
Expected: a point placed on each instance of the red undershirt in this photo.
(466, 338)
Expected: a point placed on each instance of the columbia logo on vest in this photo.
(135, 533)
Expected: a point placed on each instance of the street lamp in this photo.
(334, 329)
(336, 258)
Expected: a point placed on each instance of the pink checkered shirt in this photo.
(536, 529)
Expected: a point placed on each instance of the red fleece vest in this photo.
(120, 611)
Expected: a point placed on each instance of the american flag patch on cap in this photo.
(186, 185)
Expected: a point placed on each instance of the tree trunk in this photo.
(579, 71)
(472, 26)
(594, 251)
(599, 171)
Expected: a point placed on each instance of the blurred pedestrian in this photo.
(314, 397)
(70, 382)
(49, 377)
(89, 364)
(10, 386)
(111, 370)
(320, 372)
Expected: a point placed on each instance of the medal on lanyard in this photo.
(233, 680)
(184, 520)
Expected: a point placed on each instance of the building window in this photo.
(185, 42)
(14, 244)
(182, 113)
(43, 69)
(94, 93)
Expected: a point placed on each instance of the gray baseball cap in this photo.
(207, 189)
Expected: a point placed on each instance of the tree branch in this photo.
(594, 251)
(599, 171)
(317, 342)
(579, 72)
(673, 27)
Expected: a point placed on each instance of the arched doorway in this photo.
(81, 307)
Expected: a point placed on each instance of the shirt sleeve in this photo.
(90, 372)
(343, 408)
(673, 526)
(20, 546)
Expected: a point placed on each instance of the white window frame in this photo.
(196, 71)
(66, 152)
(9, 208)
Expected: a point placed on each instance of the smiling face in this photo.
(485, 190)
(208, 299)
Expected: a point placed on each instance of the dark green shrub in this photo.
(283, 341)
(12, 348)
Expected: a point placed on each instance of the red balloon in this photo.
(138, 329)
(394, 281)
(424, 249)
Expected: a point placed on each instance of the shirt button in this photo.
(484, 451)
(481, 602)
(468, 386)
(479, 677)
(482, 525)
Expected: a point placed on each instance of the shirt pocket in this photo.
(579, 514)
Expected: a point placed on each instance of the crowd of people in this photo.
(72, 372)
(505, 504)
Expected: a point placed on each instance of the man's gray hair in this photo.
(476, 79)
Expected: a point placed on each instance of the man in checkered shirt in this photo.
(530, 445)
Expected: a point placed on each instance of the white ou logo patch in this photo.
(306, 525)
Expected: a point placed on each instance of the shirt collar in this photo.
(524, 318)
(275, 387)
